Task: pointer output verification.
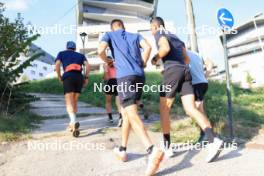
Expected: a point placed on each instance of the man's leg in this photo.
(137, 125)
(191, 110)
(165, 108)
(200, 107)
(117, 101)
(215, 144)
(126, 127)
(155, 154)
(120, 111)
(69, 101)
(108, 106)
(76, 97)
(125, 131)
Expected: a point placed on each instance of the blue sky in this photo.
(49, 12)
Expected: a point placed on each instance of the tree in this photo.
(15, 39)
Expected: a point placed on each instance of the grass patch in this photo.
(183, 130)
(13, 128)
(248, 106)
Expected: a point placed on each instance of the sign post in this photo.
(226, 21)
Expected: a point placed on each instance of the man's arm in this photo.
(185, 56)
(87, 72)
(144, 44)
(105, 72)
(164, 49)
(87, 69)
(102, 52)
(209, 65)
(58, 69)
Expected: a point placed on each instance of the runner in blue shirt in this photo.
(72, 80)
(129, 63)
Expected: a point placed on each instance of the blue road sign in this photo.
(225, 18)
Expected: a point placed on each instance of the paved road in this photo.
(53, 152)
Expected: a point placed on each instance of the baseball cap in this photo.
(71, 45)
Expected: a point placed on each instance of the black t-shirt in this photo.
(176, 53)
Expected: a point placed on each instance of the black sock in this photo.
(120, 116)
(167, 141)
(110, 116)
(202, 133)
(121, 148)
(209, 134)
(149, 150)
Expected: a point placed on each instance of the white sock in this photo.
(72, 118)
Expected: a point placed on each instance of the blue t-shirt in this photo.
(176, 53)
(126, 51)
(68, 57)
(196, 68)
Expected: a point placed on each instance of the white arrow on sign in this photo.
(224, 19)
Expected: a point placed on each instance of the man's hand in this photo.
(144, 65)
(85, 82)
(60, 80)
(154, 60)
(110, 62)
(144, 44)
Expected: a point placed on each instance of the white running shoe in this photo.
(169, 153)
(214, 149)
(154, 161)
(121, 155)
(120, 122)
(110, 120)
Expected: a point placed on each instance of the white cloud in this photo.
(20, 5)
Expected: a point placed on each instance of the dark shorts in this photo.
(200, 91)
(111, 88)
(73, 83)
(130, 89)
(178, 79)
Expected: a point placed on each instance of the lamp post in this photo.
(191, 25)
(256, 27)
(83, 36)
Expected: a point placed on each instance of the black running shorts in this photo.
(130, 89)
(200, 91)
(111, 87)
(73, 83)
(178, 79)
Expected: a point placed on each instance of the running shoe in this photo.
(121, 155)
(214, 149)
(169, 153)
(110, 120)
(72, 126)
(120, 122)
(154, 161)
